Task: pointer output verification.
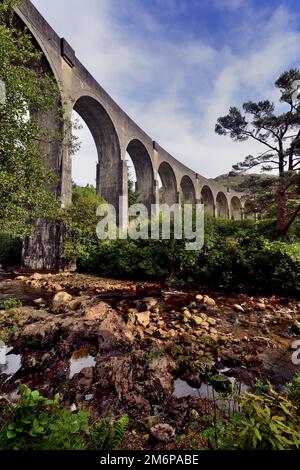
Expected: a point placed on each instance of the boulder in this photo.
(60, 302)
(197, 320)
(163, 433)
(199, 298)
(143, 318)
(209, 301)
(97, 312)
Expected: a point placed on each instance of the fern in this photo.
(106, 436)
(120, 430)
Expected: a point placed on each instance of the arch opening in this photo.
(208, 200)
(187, 189)
(84, 162)
(222, 206)
(169, 193)
(142, 172)
(236, 208)
(108, 170)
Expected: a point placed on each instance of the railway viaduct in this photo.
(115, 134)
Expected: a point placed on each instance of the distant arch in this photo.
(169, 184)
(188, 190)
(144, 171)
(222, 205)
(208, 200)
(107, 144)
(236, 208)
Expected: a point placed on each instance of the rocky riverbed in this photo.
(162, 355)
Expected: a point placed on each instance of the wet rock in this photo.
(162, 433)
(162, 369)
(39, 302)
(209, 301)
(97, 312)
(143, 318)
(152, 421)
(186, 316)
(150, 302)
(211, 321)
(260, 306)
(199, 298)
(60, 302)
(238, 308)
(197, 320)
(37, 277)
(84, 379)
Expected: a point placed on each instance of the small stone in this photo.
(162, 433)
(186, 316)
(21, 278)
(143, 318)
(152, 421)
(199, 298)
(259, 306)
(197, 320)
(39, 302)
(205, 325)
(150, 301)
(209, 301)
(37, 276)
(211, 321)
(238, 307)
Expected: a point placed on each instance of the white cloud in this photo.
(177, 90)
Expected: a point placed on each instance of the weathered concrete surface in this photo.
(115, 133)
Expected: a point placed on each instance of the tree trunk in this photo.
(281, 205)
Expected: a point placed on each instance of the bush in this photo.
(9, 304)
(36, 423)
(267, 421)
(235, 254)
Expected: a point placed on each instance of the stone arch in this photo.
(110, 165)
(222, 208)
(169, 184)
(208, 200)
(236, 208)
(188, 190)
(144, 171)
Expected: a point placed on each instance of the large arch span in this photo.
(115, 135)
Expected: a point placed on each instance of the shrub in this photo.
(37, 423)
(9, 304)
(267, 421)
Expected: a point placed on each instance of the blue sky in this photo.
(175, 66)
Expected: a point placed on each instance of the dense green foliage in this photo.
(23, 177)
(81, 221)
(37, 423)
(236, 253)
(261, 420)
(10, 303)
